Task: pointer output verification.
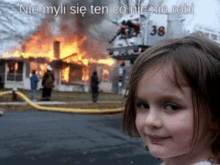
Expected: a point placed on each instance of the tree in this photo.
(15, 25)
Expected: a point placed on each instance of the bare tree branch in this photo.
(141, 2)
(128, 6)
(15, 26)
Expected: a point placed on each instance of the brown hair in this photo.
(194, 59)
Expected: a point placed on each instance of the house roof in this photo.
(21, 59)
(63, 64)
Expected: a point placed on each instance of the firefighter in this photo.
(122, 30)
(94, 86)
(48, 84)
(133, 28)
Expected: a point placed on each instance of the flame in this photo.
(8, 55)
(85, 74)
(109, 61)
(41, 45)
(105, 75)
(42, 69)
(16, 66)
(65, 74)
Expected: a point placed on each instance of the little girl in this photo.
(173, 101)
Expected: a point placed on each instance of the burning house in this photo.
(71, 65)
(65, 42)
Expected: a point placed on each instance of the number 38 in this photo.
(160, 31)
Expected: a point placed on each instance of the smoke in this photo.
(75, 23)
(89, 19)
(74, 26)
(79, 25)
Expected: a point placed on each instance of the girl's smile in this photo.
(157, 139)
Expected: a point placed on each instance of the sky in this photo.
(206, 13)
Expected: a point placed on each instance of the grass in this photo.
(66, 96)
(115, 100)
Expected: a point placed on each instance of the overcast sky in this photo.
(206, 13)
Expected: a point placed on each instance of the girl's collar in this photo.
(210, 161)
(199, 163)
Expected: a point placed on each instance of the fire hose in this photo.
(60, 109)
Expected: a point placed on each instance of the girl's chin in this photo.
(160, 152)
(164, 153)
(159, 155)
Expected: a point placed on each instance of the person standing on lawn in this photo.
(34, 80)
(48, 84)
(94, 86)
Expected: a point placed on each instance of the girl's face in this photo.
(164, 115)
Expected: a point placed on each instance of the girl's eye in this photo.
(171, 106)
(142, 105)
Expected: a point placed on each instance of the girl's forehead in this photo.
(170, 72)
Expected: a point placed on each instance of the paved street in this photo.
(50, 138)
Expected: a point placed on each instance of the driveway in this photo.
(50, 138)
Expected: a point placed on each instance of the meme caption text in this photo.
(82, 10)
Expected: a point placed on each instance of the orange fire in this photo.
(105, 75)
(16, 66)
(65, 74)
(41, 45)
(85, 74)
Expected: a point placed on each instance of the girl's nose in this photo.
(153, 119)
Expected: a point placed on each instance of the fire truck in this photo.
(137, 32)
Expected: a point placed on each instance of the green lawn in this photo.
(66, 96)
(116, 100)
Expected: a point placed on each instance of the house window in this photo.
(207, 35)
(14, 71)
(213, 37)
(200, 33)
